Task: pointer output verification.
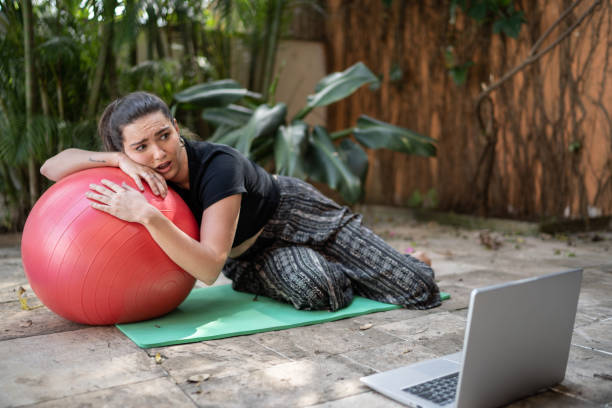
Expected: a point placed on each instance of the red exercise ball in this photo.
(91, 267)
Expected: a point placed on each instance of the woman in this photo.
(271, 235)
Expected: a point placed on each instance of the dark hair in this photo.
(124, 111)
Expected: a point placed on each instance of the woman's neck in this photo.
(182, 177)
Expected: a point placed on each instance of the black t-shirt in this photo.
(218, 171)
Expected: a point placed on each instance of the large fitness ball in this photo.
(91, 267)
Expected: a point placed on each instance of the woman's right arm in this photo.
(70, 161)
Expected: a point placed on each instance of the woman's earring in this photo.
(181, 141)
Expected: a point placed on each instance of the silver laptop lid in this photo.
(518, 338)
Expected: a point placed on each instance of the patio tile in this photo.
(327, 338)
(551, 399)
(25, 323)
(52, 366)
(159, 392)
(459, 297)
(548, 399)
(595, 302)
(427, 328)
(596, 335)
(363, 400)
(584, 319)
(598, 282)
(293, 384)
(218, 358)
(583, 376)
(391, 316)
(12, 277)
(390, 356)
(477, 279)
(444, 266)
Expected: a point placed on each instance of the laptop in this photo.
(516, 343)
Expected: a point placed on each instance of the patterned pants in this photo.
(315, 254)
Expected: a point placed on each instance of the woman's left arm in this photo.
(202, 259)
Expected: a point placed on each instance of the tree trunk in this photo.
(151, 32)
(185, 29)
(30, 91)
(107, 30)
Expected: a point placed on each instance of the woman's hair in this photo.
(124, 111)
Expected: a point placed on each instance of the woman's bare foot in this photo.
(421, 256)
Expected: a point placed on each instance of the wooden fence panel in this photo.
(549, 137)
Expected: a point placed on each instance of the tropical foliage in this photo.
(79, 55)
(503, 17)
(263, 133)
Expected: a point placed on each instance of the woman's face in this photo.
(153, 141)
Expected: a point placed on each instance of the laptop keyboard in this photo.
(440, 390)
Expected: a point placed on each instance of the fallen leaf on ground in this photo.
(23, 301)
(25, 323)
(198, 378)
(489, 241)
(603, 376)
(366, 326)
(158, 358)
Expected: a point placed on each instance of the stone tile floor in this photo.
(46, 361)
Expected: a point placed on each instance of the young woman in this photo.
(271, 235)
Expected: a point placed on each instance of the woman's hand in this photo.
(124, 202)
(137, 172)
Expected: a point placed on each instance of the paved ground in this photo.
(46, 361)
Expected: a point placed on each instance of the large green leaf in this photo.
(325, 165)
(220, 135)
(216, 93)
(377, 134)
(289, 148)
(233, 116)
(265, 121)
(355, 158)
(337, 86)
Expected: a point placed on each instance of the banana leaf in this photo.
(264, 121)
(337, 86)
(233, 116)
(216, 93)
(220, 133)
(325, 165)
(289, 148)
(377, 134)
(355, 158)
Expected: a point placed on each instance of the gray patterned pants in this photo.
(315, 254)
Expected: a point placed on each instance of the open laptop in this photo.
(516, 342)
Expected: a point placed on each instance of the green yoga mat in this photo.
(218, 311)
